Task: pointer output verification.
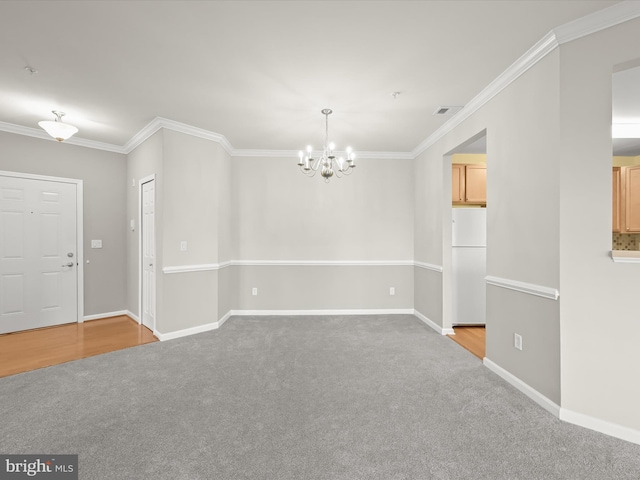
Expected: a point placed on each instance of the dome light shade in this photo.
(58, 130)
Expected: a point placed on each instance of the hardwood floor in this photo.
(471, 338)
(24, 351)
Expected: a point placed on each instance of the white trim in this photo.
(79, 229)
(428, 266)
(625, 256)
(98, 316)
(288, 263)
(529, 391)
(195, 268)
(597, 21)
(193, 330)
(160, 122)
(390, 311)
(602, 426)
(186, 332)
(626, 260)
(31, 176)
(532, 56)
(224, 318)
(529, 288)
(293, 154)
(434, 325)
(42, 135)
(129, 313)
(324, 263)
(581, 27)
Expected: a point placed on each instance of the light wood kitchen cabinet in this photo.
(469, 184)
(631, 199)
(457, 183)
(617, 190)
(626, 199)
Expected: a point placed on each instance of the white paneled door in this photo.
(38, 254)
(148, 233)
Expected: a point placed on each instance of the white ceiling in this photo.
(259, 72)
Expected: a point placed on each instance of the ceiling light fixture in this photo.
(310, 166)
(58, 130)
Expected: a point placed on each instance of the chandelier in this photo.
(327, 162)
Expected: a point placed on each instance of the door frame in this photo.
(79, 229)
(141, 182)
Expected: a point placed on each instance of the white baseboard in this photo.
(602, 426)
(98, 316)
(434, 325)
(193, 330)
(186, 332)
(224, 318)
(133, 315)
(529, 391)
(396, 311)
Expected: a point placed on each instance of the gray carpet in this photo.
(353, 397)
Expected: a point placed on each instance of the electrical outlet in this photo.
(96, 243)
(183, 246)
(517, 341)
(254, 291)
(392, 291)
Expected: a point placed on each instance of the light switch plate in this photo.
(183, 246)
(96, 243)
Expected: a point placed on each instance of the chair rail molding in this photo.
(529, 288)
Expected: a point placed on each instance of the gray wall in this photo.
(103, 175)
(522, 221)
(600, 322)
(193, 205)
(549, 224)
(281, 216)
(145, 160)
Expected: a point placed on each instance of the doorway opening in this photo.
(466, 242)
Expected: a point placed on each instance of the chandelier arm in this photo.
(315, 165)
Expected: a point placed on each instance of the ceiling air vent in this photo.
(447, 110)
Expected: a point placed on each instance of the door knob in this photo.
(70, 264)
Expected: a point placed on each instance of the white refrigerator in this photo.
(469, 265)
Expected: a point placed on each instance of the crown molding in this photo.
(536, 53)
(160, 122)
(38, 133)
(596, 21)
(581, 27)
(240, 152)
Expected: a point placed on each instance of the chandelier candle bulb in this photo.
(327, 162)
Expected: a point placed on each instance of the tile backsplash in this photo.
(624, 241)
